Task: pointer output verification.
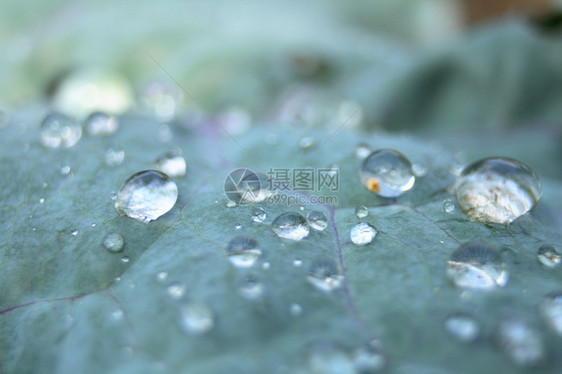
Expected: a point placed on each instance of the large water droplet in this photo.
(325, 275)
(146, 195)
(258, 214)
(243, 251)
(549, 256)
(251, 289)
(196, 318)
(477, 265)
(290, 225)
(101, 124)
(361, 211)
(551, 310)
(58, 130)
(362, 233)
(172, 164)
(462, 327)
(387, 173)
(317, 220)
(522, 344)
(497, 190)
(114, 242)
(114, 156)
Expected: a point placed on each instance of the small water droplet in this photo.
(230, 204)
(325, 275)
(93, 225)
(176, 290)
(361, 211)
(478, 266)
(161, 276)
(266, 266)
(113, 242)
(387, 173)
(146, 195)
(551, 310)
(74, 232)
(41, 200)
(58, 130)
(290, 225)
(125, 259)
(251, 289)
(172, 164)
(297, 262)
(295, 310)
(117, 315)
(362, 233)
(522, 344)
(196, 318)
(307, 143)
(362, 151)
(101, 124)
(497, 190)
(243, 251)
(238, 226)
(114, 156)
(317, 220)
(462, 327)
(448, 206)
(419, 169)
(549, 256)
(258, 214)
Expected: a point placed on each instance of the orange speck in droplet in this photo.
(374, 185)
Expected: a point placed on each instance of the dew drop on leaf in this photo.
(462, 327)
(549, 256)
(521, 343)
(172, 164)
(238, 226)
(362, 150)
(290, 225)
(497, 190)
(101, 124)
(58, 130)
(176, 290)
(243, 251)
(317, 220)
(448, 206)
(146, 195)
(324, 275)
(258, 214)
(362, 233)
(251, 288)
(307, 143)
(361, 211)
(550, 309)
(196, 318)
(125, 259)
(65, 169)
(387, 173)
(113, 242)
(477, 265)
(230, 204)
(297, 262)
(419, 169)
(161, 276)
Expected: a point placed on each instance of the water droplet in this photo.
(477, 265)
(162, 99)
(462, 327)
(74, 232)
(317, 220)
(420, 170)
(113, 242)
(146, 195)
(86, 91)
(549, 256)
(266, 266)
(522, 344)
(325, 275)
(297, 262)
(251, 289)
(361, 211)
(172, 164)
(41, 200)
(230, 204)
(497, 190)
(65, 169)
(258, 214)
(93, 224)
(161, 276)
(58, 130)
(362, 151)
(448, 206)
(101, 124)
(295, 310)
(362, 233)
(387, 173)
(196, 318)
(551, 310)
(117, 315)
(307, 143)
(124, 259)
(290, 225)
(243, 251)
(369, 358)
(176, 290)
(114, 156)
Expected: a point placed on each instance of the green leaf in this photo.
(68, 305)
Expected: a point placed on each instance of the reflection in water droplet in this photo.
(114, 156)
(419, 170)
(176, 290)
(551, 311)
(325, 275)
(58, 130)
(362, 151)
(290, 225)
(362, 233)
(307, 142)
(258, 214)
(114, 242)
(497, 190)
(172, 164)
(146, 195)
(549, 256)
(251, 289)
(101, 124)
(196, 318)
(477, 265)
(161, 276)
(462, 327)
(387, 173)
(522, 344)
(361, 211)
(448, 206)
(295, 310)
(317, 220)
(243, 251)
